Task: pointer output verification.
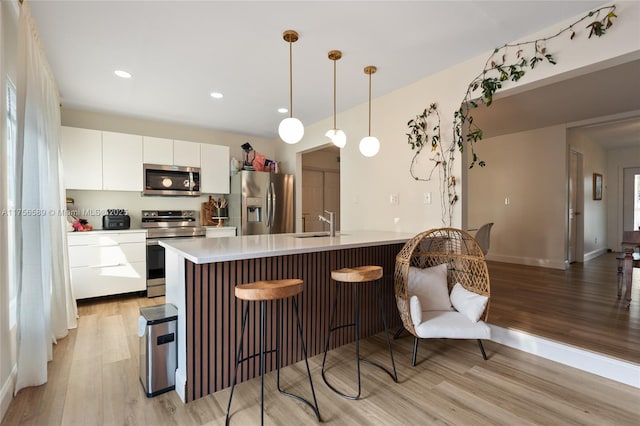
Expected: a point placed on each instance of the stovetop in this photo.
(171, 224)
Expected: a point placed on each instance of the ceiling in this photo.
(180, 51)
(611, 92)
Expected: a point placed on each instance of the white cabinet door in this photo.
(82, 158)
(225, 231)
(214, 169)
(121, 162)
(157, 150)
(186, 153)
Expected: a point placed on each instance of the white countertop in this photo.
(107, 231)
(208, 250)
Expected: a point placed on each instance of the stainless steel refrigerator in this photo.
(261, 203)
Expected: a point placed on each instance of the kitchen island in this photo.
(201, 275)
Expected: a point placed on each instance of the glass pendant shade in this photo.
(338, 137)
(369, 146)
(291, 130)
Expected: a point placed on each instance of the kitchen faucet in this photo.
(330, 221)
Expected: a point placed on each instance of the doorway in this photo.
(320, 187)
(576, 205)
(631, 199)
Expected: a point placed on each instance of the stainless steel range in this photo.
(166, 225)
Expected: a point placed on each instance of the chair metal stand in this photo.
(356, 324)
(263, 352)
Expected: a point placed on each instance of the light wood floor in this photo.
(93, 379)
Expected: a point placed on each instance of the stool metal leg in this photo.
(356, 324)
(238, 356)
(313, 406)
(262, 339)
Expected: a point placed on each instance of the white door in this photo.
(575, 231)
(312, 200)
(631, 199)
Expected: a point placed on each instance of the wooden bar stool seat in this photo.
(358, 276)
(269, 290)
(264, 291)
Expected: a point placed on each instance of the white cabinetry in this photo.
(121, 162)
(225, 231)
(186, 153)
(82, 158)
(169, 152)
(214, 169)
(157, 151)
(107, 262)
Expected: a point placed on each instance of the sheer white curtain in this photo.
(46, 309)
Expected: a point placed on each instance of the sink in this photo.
(315, 234)
(311, 235)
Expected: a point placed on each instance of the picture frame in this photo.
(597, 186)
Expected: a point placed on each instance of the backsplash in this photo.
(92, 205)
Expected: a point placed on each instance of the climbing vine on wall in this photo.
(509, 62)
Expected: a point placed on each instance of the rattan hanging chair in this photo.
(465, 265)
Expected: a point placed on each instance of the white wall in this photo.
(528, 168)
(366, 183)
(616, 161)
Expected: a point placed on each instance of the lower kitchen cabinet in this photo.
(107, 262)
(224, 231)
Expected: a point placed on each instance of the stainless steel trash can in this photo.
(157, 327)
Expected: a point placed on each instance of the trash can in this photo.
(158, 348)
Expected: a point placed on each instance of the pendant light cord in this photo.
(369, 104)
(334, 94)
(290, 79)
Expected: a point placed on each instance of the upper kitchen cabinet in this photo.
(169, 152)
(214, 169)
(186, 154)
(121, 162)
(157, 151)
(82, 158)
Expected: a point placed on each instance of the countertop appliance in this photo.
(116, 219)
(264, 201)
(164, 225)
(171, 180)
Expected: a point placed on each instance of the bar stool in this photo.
(357, 276)
(263, 291)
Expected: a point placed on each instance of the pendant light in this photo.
(369, 146)
(291, 129)
(336, 135)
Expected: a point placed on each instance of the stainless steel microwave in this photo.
(171, 180)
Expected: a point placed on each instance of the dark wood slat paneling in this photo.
(214, 316)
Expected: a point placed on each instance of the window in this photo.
(12, 128)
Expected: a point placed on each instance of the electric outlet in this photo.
(507, 201)
(394, 199)
(427, 198)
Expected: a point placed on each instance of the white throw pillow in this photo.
(467, 302)
(416, 310)
(430, 285)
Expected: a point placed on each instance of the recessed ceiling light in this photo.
(283, 110)
(217, 95)
(122, 74)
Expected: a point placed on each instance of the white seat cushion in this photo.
(451, 325)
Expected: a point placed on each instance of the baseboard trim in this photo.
(6, 393)
(594, 254)
(611, 368)
(530, 261)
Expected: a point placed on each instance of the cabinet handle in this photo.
(108, 265)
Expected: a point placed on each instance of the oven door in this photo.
(156, 277)
(155, 269)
